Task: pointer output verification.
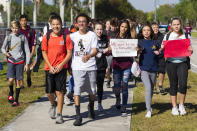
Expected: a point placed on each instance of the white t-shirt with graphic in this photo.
(83, 45)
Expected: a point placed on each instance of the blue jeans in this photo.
(121, 79)
(71, 83)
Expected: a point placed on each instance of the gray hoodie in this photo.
(16, 51)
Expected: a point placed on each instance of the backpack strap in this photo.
(8, 43)
(48, 37)
(64, 36)
(168, 35)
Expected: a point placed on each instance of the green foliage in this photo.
(1, 8)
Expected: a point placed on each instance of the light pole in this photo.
(93, 9)
(22, 7)
(34, 14)
(71, 12)
(155, 3)
(8, 12)
(62, 4)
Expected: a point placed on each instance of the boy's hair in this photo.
(114, 22)
(56, 17)
(23, 16)
(98, 23)
(155, 23)
(52, 14)
(83, 15)
(15, 23)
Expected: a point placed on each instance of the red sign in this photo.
(177, 48)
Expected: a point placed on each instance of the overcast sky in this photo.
(145, 5)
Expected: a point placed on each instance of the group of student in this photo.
(86, 54)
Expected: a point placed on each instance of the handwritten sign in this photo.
(124, 47)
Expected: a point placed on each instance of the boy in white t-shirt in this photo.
(84, 65)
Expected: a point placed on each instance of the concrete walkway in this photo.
(36, 118)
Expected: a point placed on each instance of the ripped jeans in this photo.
(121, 78)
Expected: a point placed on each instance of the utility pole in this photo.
(71, 12)
(34, 14)
(90, 8)
(8, 13)
(62, 4)
(155, 3)
(93, 9)
(22, 7)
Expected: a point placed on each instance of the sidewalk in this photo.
(36, 118)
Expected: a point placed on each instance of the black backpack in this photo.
(188, 59)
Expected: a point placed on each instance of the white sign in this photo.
(124, 47)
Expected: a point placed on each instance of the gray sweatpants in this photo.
(148, 78)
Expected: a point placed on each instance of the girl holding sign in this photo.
(122, 69)
(177, 70)
(148, 63)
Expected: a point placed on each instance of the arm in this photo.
(3, 48)
(66, 60)
(87, 57)
(33, 44)
(27, 54)
(44, 54)
(32, 52)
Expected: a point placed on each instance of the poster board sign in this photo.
(124, 47)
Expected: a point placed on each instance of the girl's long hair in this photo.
(140, 35)
(127, 34)
(180, 31)
(133, 30)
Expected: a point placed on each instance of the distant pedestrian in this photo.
(188, 30)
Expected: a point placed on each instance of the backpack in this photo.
(188, 59)
(63, 32)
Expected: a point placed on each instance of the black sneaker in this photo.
(108, 84)
(29, 82)
(91, 113)
(118, 103)
(22, 87)
(78, 121)
(70, 96)
(155, 91)
(162, 91)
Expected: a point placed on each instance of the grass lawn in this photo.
(27, 95)
(162, 120)
(194, 34)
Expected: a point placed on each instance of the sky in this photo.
(144, 5)
(148, 5)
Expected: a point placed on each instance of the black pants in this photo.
(100, 81)
(177, 74)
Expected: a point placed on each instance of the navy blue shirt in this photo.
(148, 59)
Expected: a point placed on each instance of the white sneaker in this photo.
(100, 107)
(175, 111)
(182, 109)
(66, 100)
(148, 114)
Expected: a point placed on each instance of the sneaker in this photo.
(155, 91)
(100, 107)
(123, 109)
(78, 121)
(162, 91)
(182, 109)
(59, 119)
(70, 96)
(15, 104)
(29, 82)
(175, 111)
(10, 99)
(66, 100)
(91, 113)
(118, 104)
(52, 111)
(108, 84)
(148, 114)
(22, 87)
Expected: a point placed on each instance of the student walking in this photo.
(84, 65)
(148, 63)
(158, 36)
(56, 51)
(122, 69)
(16, 49)
(177, 70)
(101, 61)
(30, 36)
